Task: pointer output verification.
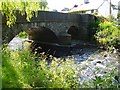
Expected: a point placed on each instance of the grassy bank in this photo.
(21, 69)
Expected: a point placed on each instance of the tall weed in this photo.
(21, 69)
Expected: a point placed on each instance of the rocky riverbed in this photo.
(91, 60)
(98, 64)
(94, 62)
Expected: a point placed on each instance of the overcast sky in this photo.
(60, 4)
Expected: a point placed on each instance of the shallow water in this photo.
(17, 43)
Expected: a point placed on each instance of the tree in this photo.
(43, 5)
(24, 7)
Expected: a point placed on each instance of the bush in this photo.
(108, 35)
(92, 27)
(23, 35)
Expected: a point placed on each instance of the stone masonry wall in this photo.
(59, 23)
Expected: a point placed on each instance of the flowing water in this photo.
(78, 53)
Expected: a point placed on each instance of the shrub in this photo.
(23, 35)
(92, 27)
(108, 35)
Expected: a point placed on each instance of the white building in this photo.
(102, 8)
(119, 6)
(118, 11)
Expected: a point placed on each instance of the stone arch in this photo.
(9, 33)
(43, 39)
(42, 34)
(73, 30)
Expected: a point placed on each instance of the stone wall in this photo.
(59, 23)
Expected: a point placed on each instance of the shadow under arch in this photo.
(42, 34)
(43, 39)
(73, 30)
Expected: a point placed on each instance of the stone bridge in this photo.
(59, 23)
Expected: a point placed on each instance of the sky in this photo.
(60, 4)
